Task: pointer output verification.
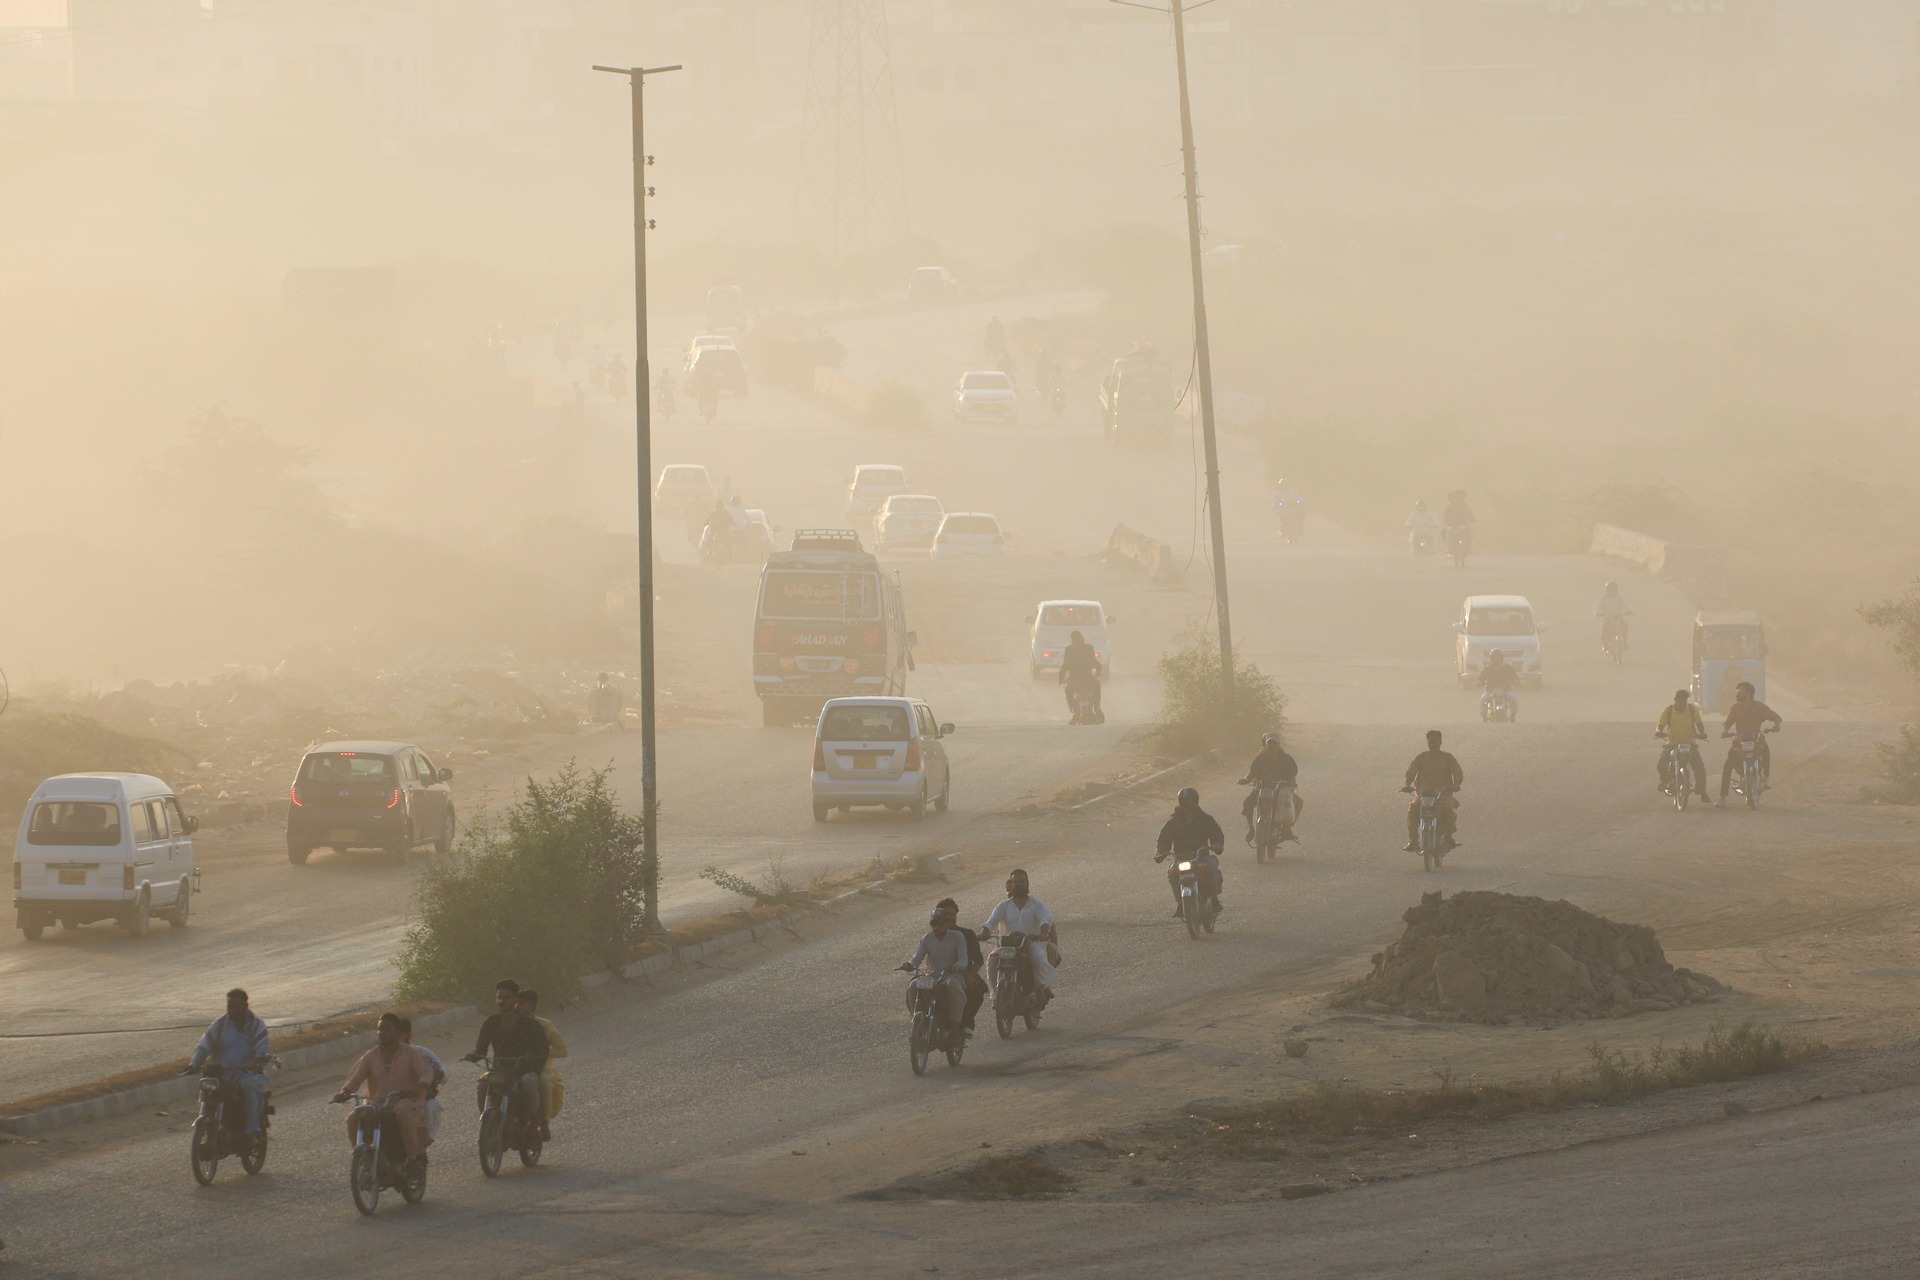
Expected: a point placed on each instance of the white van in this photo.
(103, 846)
(1505, 623)
(1054, 624)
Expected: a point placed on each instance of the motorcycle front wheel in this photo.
(493, 1141)
(204, 1151)
(918, 1048)
(1190, 913)
(363, 1178)
(1003, 1011)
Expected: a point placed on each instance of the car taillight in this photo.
(851, 666)
(913, 755)
(763, 639)
(1046, 653)
(870, 637)
(126, 876)
(819, 756)
(293, 793)
(788, 665)
(395, 802)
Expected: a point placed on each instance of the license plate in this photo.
(866, 762)
(341, 833)
(73, 875)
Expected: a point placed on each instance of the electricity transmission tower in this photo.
(850, 191)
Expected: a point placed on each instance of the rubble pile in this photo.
(1497, 957)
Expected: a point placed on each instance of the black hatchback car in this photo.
(368, 795)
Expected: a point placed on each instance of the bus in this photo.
(829, 624)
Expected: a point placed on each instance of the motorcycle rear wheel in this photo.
(204, 1151)
(530, 1154)
(363, 1179)
(254, 1158)
(493, 1142)
(413, 1189)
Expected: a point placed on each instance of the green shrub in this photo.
(1199, 712)
(894, 406)
(549, 893)
(1900, 766)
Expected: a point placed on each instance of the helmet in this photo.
(1681, 695)
(1280, 484)
(1421, 505)
(1496, 656)
(1269, 739)
(1746, 687)
(1077, 638)
(1613, 586)
(941, 918)
(1189, 798)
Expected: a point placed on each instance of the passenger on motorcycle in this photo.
(1457, 515)
(1192, 834)
(976, 963)
(1286, 497)
(1497, 679)
(1681, 723)
(1080, 669)
(393, 1066)
(508, 1035)
(1745, 719)
(1273, 764)
(1612, 609)
(553, 1090)
(1019, 912)
(1433, 770)
(439, 1076)
(944, 951)
(1421, 524)
(237, 1042)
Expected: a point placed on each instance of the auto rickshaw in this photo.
(1728, 647)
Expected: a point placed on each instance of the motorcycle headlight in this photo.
(1186, 866)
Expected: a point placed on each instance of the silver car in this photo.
(879, 751)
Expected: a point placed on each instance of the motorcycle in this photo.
(220, 1128)
(1459, 538)
(1057, 398)
(1432, 848)
(665, 402)
(1014, 993)
(1613, 639)
(379, 1157)
(1749, 775)
(1420, 541)
(716, 546)
(1272, 820)
(1198, 908)
(1293, 522)
(709, 398)
(504, 1122)
(929, 1035)
(1677, 763)
(1083, 697)
(1497, 707)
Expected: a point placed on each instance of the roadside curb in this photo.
(1129, 786)
(108, 1105)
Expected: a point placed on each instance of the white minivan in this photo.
(103, 846)
(1054, 624)
(1505, 623)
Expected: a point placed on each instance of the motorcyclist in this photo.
(1457, 519)
(1080, 669)
(944, 952)
(1289, 507)
(553, 1089)
(976, 984)
(996, 337)
(1193, 835)
(237, 1043)
(1019, 912)
(1612, 609)
(1681, 722)
(1421, 524)
(439, 1076)
(1745, 719)
(1498, 679)
(716, 538)
(1433, 770)
(509, 1035)
(393, 1067)
(1273, 764)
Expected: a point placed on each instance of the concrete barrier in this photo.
(1136, 548)
(1657, 555)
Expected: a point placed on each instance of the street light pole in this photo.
(643, 478)
(1203, 355)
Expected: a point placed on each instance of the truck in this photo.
(829, 624)
(1137, 398)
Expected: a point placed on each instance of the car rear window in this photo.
(345, 766)
(864, 724)
(75, 822)
(1070, 615)
(879, 478)
(970, 524)
(986, 382)
(913, 506)
(677, 477)
(1500, 622)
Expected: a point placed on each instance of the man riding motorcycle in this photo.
(1433, 770)
(1612, 609)
(237, 1042)
(1457, 519)
(1289, 507)
(1080, 671)
(1498, 679)
(976, 984)
(1192, 834)
(1273, 764)
(1422, 524)
(391, 1067)
(1745, 719)
(1020, 912)
(1681, 722)
(509, 1034)
(945, 953)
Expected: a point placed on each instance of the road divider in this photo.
(1658, 556)
(1129, 546)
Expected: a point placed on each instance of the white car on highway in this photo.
(871, 486)
(879, 751)
(907, 521)
(683, 490)
(969, 533)
(701, 343)
(985, 395)
(1505, 623)
(102, 846)
(1054, 624)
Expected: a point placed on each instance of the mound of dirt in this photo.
(1495, 957)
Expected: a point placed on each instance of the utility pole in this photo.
(1203, 354)
(643, 477)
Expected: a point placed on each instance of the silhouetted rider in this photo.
(1080, 669)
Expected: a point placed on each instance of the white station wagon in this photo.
(879, 751)
(103, 846)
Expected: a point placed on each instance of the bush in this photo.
(894, 406)
(1198, 713)
(1900, 619)
(552, 892)
(1900, 766)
